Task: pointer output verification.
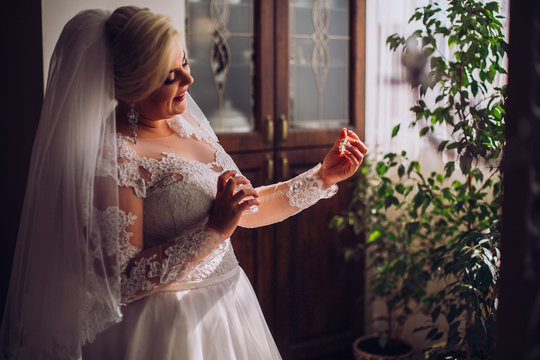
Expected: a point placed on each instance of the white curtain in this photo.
(388, 100)
(388, 94)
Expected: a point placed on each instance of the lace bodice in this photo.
(177, 192)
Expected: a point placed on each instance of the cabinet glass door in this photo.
(319, 63)
(220, 38)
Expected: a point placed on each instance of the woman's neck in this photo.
(146, 128)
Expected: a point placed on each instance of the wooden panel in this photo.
(254, 248)
(323, 136)
(318, 313)
(358, 65)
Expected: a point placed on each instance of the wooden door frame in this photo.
(319, 137)
(257, 140)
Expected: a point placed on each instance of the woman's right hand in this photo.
(230, 204)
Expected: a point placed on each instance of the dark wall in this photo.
(518, 320)
(22, 93)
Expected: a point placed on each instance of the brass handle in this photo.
(284, 127)
(269, 170)
(269, 129)
(285, 168)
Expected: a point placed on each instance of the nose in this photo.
(186, 78)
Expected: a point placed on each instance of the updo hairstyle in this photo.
(142, 44)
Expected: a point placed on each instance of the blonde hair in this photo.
(142, 45)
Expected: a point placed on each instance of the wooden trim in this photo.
(358, 65)
(263, 86)
(264, 61)
(243, 142)
(281, 69)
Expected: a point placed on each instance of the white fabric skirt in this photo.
(219, 321)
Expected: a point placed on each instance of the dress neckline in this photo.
(156, 138)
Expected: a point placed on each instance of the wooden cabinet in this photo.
(309, 294)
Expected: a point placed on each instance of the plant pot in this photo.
(367, 348)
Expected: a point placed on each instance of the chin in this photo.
(178, 109)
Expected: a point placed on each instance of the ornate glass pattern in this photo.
(319, 63)
(220, 38)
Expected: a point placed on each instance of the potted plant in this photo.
(452, 216)
(398, 277)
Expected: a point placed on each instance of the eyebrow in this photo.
(184, 58)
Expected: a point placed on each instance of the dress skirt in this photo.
(220, 320)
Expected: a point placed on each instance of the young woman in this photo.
(124, 249)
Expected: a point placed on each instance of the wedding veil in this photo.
(65, 281)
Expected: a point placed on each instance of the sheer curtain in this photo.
(388, 94)
(388, 100)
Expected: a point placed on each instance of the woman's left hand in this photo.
(343, 159)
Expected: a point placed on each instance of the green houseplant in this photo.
(449, 221)
(396, 261)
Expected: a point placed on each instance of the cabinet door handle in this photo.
(269, 170)
(269, 129)
(284, 127)
(284, 168)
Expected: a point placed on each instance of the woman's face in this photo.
(170, 98)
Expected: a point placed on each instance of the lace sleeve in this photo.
(156, 267)
(282, 200)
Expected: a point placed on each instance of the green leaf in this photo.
(412, 227)
(381, 168)
(449, 168)
(465, 162)
(442, 145)
(395, 130)
(374, 236)
(401, 170)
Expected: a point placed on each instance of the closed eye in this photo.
(170, 78)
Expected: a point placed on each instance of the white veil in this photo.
(65, 281)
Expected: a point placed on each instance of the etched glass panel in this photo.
(220, 41)
(319, 63)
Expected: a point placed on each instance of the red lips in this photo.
(180, 97)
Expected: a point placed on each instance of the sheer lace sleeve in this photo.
(156, 267)
(281, 200)
(146, 270)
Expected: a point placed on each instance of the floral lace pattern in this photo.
(178, 195)
(308, 188)
(173, 261)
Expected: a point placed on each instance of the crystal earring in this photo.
(133, 119)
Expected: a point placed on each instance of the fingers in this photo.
(245, 205)
(358, 144)
(223, 179)
(228, 181)
(354, 151)
(352, 138)
(354, 156)
(352, 135)
(234, 183)
(243, 193)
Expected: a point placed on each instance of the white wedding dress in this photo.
(191, 300)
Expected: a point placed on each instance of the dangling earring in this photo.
(133, 119)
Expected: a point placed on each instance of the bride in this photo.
(124, 246)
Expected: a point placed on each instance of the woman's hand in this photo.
(343, 159)
(229, 203)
